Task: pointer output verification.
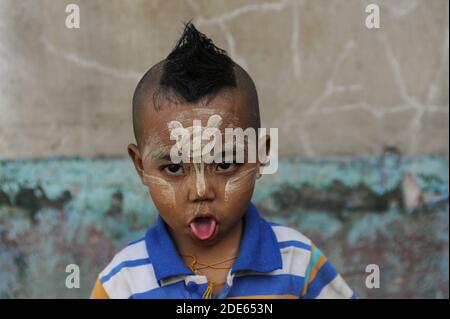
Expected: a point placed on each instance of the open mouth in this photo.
(204, 227)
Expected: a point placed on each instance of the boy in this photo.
(210, 241)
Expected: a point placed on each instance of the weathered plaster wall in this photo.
(332, 86)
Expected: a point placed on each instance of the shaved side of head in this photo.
(144, 95)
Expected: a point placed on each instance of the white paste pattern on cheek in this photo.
(237, 182)
(167, 190)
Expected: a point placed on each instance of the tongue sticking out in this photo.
(203, 227)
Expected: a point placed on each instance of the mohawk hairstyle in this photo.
(196, 67)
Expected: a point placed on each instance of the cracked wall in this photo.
(332, 86)
(390, 211)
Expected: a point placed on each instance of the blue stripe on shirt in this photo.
(294, 243)
(136, 241)
(323, 277)
(124, 264)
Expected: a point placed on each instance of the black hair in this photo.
(196, 67)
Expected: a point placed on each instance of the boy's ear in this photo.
(135, 156)
(267, 137)
(262, 158)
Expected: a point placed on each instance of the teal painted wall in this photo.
(391, 211)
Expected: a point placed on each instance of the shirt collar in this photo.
(164, 255)
(258, 250)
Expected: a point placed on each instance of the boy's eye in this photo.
(173, 169)
(226, 167)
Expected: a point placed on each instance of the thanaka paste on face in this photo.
(153, 149)
(183, 142)
(237, 182)
(167, 190)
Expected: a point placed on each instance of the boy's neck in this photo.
(227, 246)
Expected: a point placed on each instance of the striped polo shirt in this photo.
(273, 262)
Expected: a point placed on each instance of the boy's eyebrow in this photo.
(232, 151)
(166, 157)
(225, 151)
(160, 157)
(221, 155)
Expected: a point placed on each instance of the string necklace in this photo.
(196, 266)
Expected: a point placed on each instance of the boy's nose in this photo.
(200, 188)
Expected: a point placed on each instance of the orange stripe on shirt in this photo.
(99, 292)
(322, 260)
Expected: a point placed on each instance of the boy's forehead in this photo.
(232, 110)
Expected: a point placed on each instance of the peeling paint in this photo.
(354, 209)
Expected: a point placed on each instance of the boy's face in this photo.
(199, 201)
